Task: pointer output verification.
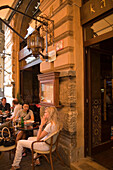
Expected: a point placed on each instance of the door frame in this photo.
(87, 103)
(89, 150)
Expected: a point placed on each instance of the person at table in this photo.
(17, 107)
(5, 107)
(51, 119)
(27, 114)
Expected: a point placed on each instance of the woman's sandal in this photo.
(37, 162)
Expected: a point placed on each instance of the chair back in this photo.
(52, 139)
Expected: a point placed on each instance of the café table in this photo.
(3, 124)
(28, 129)
(3, 116)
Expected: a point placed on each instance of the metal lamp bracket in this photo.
(45, 24)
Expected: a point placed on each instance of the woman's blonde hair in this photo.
(53, 115)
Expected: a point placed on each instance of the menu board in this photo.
(47, 92)
(49, 89)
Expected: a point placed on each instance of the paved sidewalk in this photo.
(87, 164)
(5, 163)
(82, 164)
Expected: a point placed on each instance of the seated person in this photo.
(50, 118)
(5, 107)
(17, 107)
(27, 114)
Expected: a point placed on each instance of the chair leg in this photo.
(51, 161)
(33, 165)
(1, 154)
(46, 158)
(10, 155)
(59, 157)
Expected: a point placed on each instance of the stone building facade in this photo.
(69, 63)
(83, 46)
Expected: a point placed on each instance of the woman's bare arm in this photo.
(41, 133)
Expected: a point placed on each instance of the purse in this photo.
(7, 141)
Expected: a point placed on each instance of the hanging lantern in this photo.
(36, 43)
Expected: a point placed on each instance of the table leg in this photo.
(1, 154)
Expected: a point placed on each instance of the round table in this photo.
(28, 129)
(3, 116)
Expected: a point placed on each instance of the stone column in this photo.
(68, 113)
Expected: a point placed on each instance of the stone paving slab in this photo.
(87, 164)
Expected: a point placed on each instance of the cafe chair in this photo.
(52, 141)
(7, 149)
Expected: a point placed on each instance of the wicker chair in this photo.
(52, 141)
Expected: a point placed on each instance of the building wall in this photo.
(8, 87)
(69, 62)
(20, 24)
(13, 46)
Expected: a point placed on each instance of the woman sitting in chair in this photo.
(27, 114)
(50, 119)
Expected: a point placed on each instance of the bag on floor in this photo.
(7, 141)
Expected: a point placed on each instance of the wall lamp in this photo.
(35, 41)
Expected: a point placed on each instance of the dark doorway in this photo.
(29, 84)
(30, 88)
(99, 97)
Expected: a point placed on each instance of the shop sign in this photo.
(59, 45)
(94, 8)
(52, 56)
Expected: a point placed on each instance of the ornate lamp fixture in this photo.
(35, 41)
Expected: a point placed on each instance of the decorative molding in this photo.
(46, 4)
(63, 35)
(66, 66)
(67, 2)
(62, 21)
(69, 73)
(65, 50)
